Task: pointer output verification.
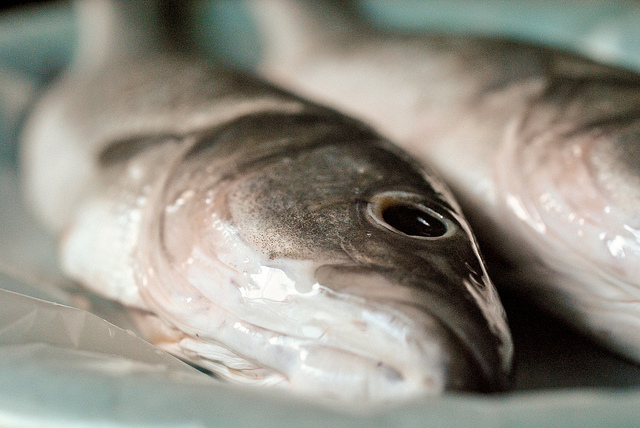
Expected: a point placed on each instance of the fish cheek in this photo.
(287, 212)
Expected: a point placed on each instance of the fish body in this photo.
(266, 238)
(540, 146)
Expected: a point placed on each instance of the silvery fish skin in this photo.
(266, 238)
(541, 147)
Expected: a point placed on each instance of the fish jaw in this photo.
(317, 342)
(334, 331)
(448, 344)
(276, 267)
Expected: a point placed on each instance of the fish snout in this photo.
(419, 341)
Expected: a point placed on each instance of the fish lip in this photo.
(472, 331)
(466, 327)
(472, 289)
(486, 373)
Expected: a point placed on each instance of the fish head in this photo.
(306, 251)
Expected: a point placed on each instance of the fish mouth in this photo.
(341, 329)
(450, 343)
(335, 341)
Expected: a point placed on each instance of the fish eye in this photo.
(413, 221)
(402, 213)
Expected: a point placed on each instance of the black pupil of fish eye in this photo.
(413, 221)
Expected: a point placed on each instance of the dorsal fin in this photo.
(292, 27)
(109, 30)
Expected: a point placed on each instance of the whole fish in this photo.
(540, 146)
(266, 238)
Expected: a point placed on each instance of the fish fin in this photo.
(99, 247)
(97, 251)
(290, 29)
(109, 30)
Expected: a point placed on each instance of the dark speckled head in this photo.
(340, 219)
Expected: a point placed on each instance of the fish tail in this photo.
(289, 29)
(111, 30)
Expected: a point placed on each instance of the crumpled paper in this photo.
(27, 321)
(64, 367)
